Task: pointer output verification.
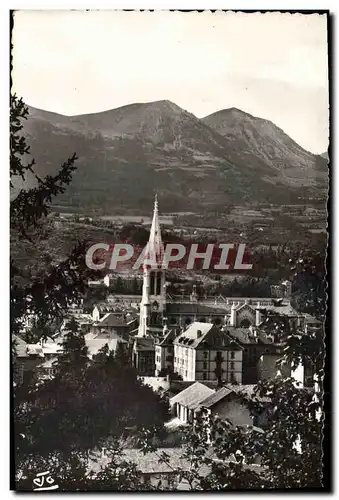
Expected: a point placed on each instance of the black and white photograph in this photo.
(169, 183)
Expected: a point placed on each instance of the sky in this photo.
(270, 65)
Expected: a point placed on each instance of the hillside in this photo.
(266, 148)
(128, 153)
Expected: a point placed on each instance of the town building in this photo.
(111, 323)
(95, 342)
(255, 343)
(143, 355)
(206, 352)
(229, 402)
(164, 352)
(187, 401)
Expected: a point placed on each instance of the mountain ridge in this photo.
(127, 153)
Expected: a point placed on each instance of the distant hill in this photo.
(128, 153)
(266, 148)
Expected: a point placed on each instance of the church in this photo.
(159, 313)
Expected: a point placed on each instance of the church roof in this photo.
(193, 308)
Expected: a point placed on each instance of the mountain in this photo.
(128, 153)
(267, 149)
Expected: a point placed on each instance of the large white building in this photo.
(206, 352)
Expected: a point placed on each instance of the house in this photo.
(177, 386)
(25, 360)
(143, 355)
(311, 323)
(187, 401)
(101, 309)
(231, 403)
(31, 360)
(164, 352)
(152, 469)
(284, 289)
(95, 342)
(268, 368)
(206, 352)
(76, 310)
(112, 323)
(255, 343)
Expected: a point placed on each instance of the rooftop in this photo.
(192, 395)
(245, 336)
(193, 308)
(205, 335)
(144, 343)
(111, 320)
(95, 344)
(168, 339)
(229, 390)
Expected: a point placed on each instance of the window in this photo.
(205, 354)
(205, 365)
(245, 323)
(232, 355)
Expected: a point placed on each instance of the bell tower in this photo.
(153, 290)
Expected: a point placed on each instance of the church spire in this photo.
(154, 291)
(155, 247)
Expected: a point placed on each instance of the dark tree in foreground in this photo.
(45, 297)
(87, 404)
(57, 422)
